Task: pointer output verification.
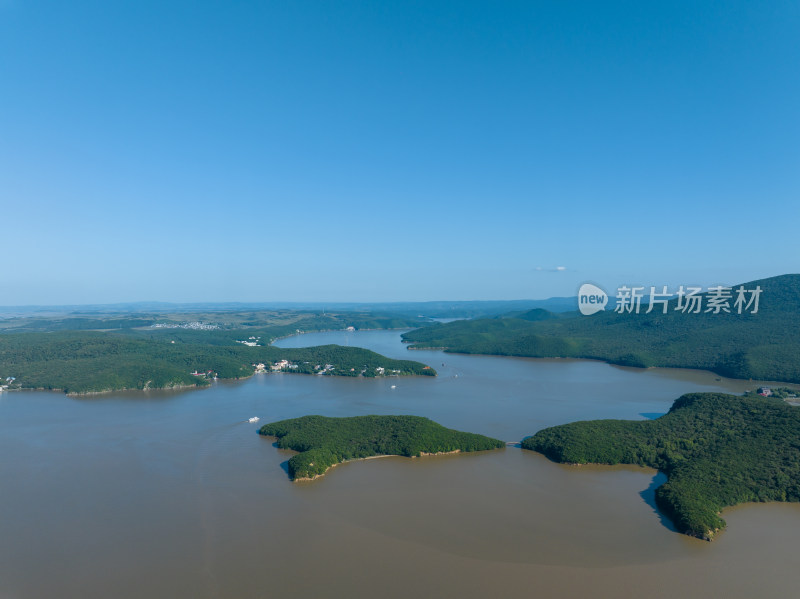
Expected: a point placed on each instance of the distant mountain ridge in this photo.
(764, 345)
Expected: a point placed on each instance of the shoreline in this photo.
(334, 331)
(372, 457)
(221, 379)
(755, 382)
(106, 391)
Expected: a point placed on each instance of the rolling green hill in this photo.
(717, 450)
(324, 442)
(763, 346)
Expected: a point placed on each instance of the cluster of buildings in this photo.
(380, 370)
(208, 374)
(283, 365)
(196, 326)
(250, 341)
(276, 367)
(784, 393)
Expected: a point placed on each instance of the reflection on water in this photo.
(649, 496)
(174, 494)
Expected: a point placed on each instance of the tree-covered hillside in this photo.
(324, 442)
(717, 450)
(89, 361)
(763, 346)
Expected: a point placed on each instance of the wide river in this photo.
(175, 495)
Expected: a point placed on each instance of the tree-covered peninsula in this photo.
(109, 353)
(325, 442)
(717, 450)
(763, 345)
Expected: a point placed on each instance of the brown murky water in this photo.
(175, 495)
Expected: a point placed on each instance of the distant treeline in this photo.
(279, 323)
(763, 346)
(324, 442)
(75, 323)
(717, 450)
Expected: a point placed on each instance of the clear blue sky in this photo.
(371, 151)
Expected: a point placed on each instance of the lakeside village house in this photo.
(765, 391)
(284, 364)
(208, 373)
(276, 367)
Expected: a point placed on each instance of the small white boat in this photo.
(253, 419)
(394, 386)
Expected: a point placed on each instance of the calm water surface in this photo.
(175, 495)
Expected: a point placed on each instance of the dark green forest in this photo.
(324, 442)
(762, 346)
(717, 450)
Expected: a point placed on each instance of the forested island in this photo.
(156, 352)
(717, 450)
(325, 442)
(762, 346)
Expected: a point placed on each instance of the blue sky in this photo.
(338, 151)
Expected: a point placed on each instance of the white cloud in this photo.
(551, 269)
